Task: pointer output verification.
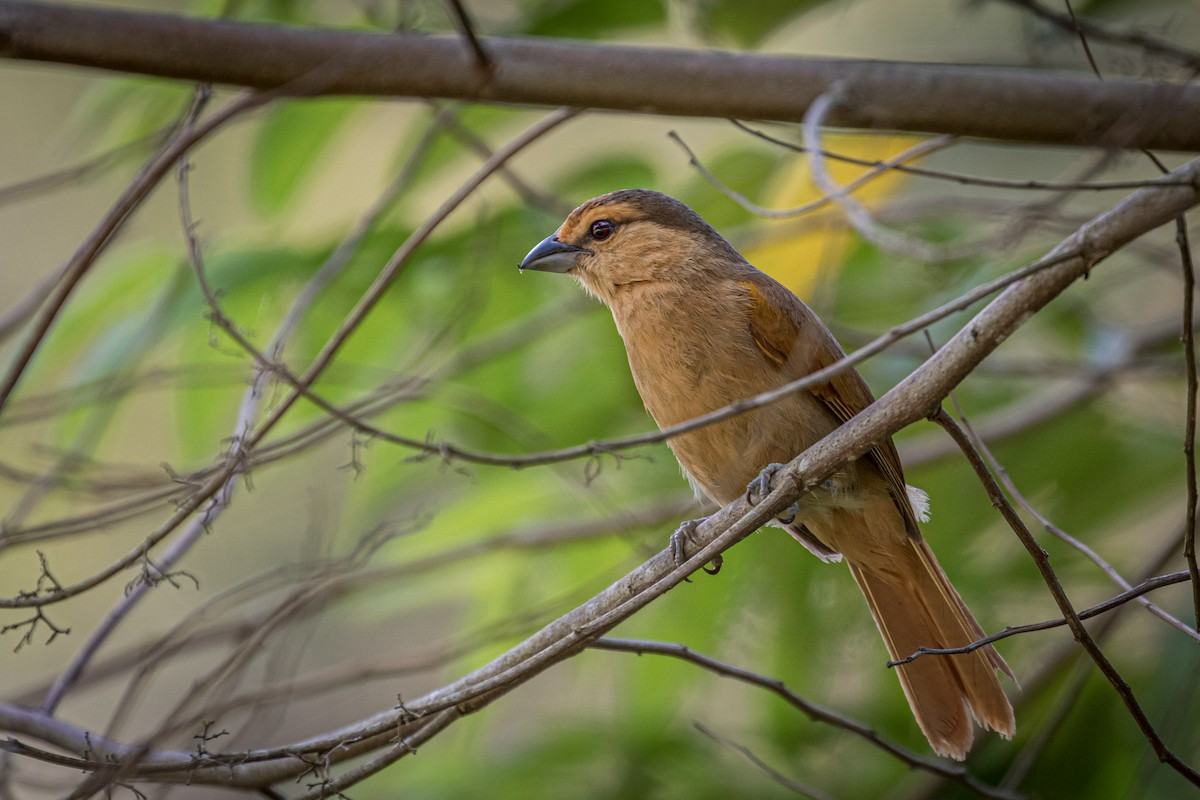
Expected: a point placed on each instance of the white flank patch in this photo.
(919, 502)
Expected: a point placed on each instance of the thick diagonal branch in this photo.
(915, 398)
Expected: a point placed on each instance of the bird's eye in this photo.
(602, 229)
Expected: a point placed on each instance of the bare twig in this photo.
(400, 259)
(1189, 429)
(403, 744)
(130, 200)
(50, 181)
(953, 177)
(946, 769)
(1111, 604)
(762, 766)
(855, 212)
(1033, 285)
(911, 400)
(1054, 530)
(1073, 25)
(1083, 40)
(463, 22)
(877, 170)
(215, 483)
(1042, 560)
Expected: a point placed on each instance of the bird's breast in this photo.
(693, 355)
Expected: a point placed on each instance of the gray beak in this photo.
(551, 255)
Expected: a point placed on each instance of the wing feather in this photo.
(792, 338)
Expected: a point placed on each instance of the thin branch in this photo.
(449, 452)
(1073, 25)
(50, 181)
(1042, 561)
(1054, 530)
(462, 21)
(912, 399)
(399, 261)
(130, 200)
(1027, 291)
(856, 213)
(406, 744)
(937, 766)
(952, 177)
(1010, 104)
(534, 197)
(762, 766)
(219, 480)
(1111, 604)
(1189, 429)
(530, 536)
(1083, 40)
(877, 170)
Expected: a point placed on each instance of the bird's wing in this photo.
(777, 321)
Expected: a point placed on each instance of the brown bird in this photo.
(703, 329)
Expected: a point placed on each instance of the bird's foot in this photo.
(760, 487)
(685, 535)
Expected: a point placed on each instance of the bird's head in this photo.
(629, 237)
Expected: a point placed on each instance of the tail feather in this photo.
(915, 605)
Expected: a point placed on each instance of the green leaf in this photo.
(289, 146)
(730, 18)
(607, 174)
(120, 110)
(254, 289)
(585, 19)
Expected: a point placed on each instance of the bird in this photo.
(703, 329)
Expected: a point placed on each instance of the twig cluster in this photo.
(330, 762)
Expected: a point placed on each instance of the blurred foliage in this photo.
(288, 147)
(605, 725)
(580, 19)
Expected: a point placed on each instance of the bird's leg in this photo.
(684, 535)
(760, 487)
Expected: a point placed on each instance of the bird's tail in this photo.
(914, 605)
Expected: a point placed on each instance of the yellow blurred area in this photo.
(801, 256)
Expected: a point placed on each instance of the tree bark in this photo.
(997, 103)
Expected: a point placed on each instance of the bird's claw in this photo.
(684, 535)
(760, 487)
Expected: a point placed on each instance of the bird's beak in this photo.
(551, 255)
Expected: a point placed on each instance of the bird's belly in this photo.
(722, 458)
(702, 375)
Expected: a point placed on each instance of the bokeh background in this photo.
(431, 566)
